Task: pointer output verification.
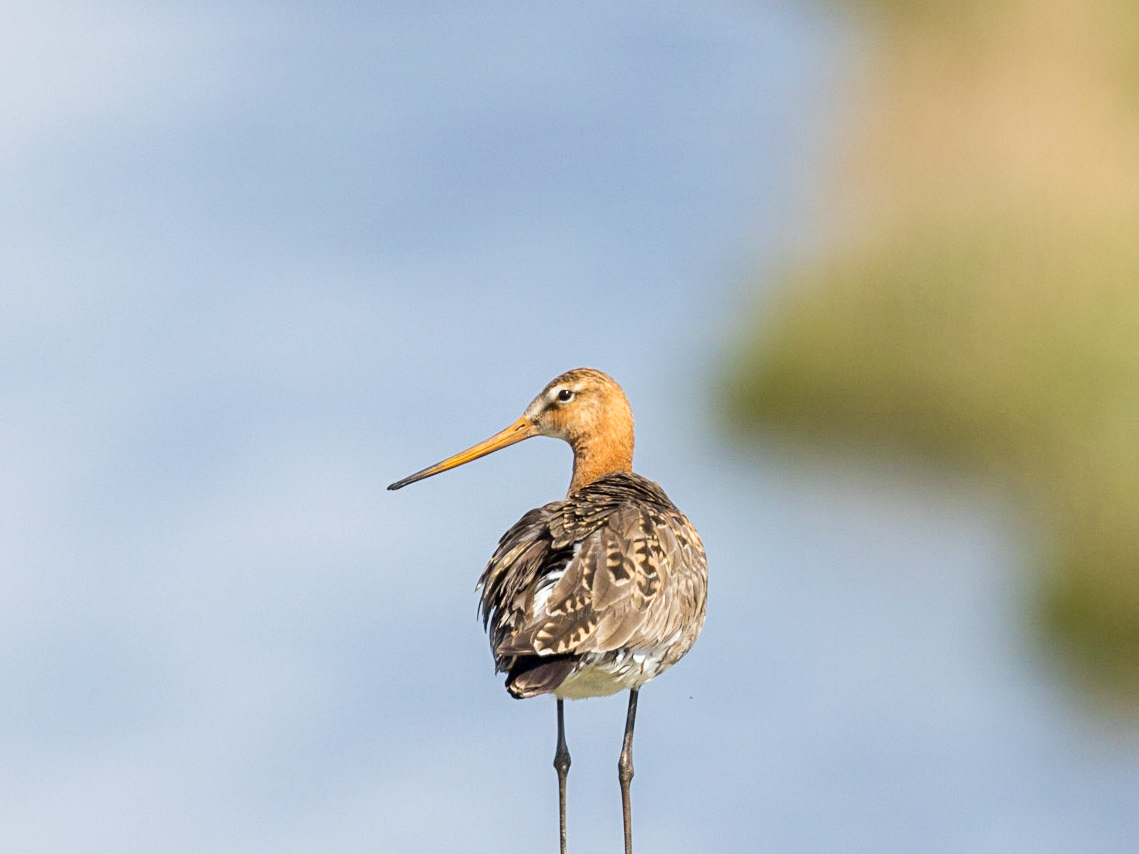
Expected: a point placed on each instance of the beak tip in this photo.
(516, 432)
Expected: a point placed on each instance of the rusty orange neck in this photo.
(599, 454)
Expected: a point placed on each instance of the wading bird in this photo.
(596, 593)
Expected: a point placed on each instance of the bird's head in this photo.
(584, 407)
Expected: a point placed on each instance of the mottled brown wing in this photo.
(526, 555)
(617, 566)
(627, 587)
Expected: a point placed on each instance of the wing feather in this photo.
(614, 566)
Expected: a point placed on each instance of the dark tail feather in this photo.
(530, 675)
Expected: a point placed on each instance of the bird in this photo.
(599, 592)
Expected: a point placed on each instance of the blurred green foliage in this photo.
(992, 346)
(984, 314)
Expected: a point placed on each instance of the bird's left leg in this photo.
(625, 770)
(562, 766)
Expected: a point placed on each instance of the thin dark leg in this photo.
(625, 770)
(562, 765)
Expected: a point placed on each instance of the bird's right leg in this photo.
(562, 765)
(625, 770)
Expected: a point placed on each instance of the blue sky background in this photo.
(260, 260)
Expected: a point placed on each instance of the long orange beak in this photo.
(521, 429)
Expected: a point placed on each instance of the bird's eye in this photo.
(565, 396)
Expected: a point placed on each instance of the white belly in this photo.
(601, 674)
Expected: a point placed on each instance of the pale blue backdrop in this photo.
(260, 259)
